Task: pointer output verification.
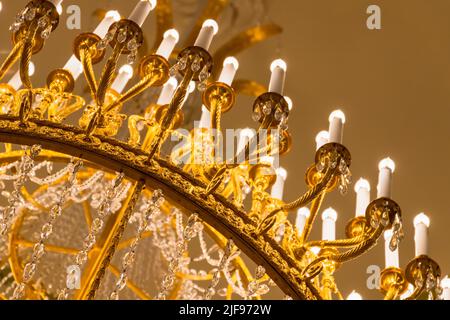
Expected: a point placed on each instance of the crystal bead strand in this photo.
(128, 259)
(96, 226)
(39, 248)
(229, 254)
(26, 164)
(190, 231)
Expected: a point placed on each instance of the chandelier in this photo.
(86, 214)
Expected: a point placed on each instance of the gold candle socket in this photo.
(88, 41)
(392, 283)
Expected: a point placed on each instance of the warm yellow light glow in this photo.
(362, 183)
(422, 218)
(278, 63)
(387, 163)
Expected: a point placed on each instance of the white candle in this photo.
(278, 186)
(391, 257)
(103, 27)
(336, 129)
(15, 80)
(141, 11)
(277, 79)
(354, 296)
(445, 284)
(322, 138)
(329, 217)
(421, 225)
(362, 189)
(125, 74)
(205, 119)
(74, 66)
(207, 32)
(167, 91)
(302, 214)
(170, 40)
(230, 67)
(386, 168)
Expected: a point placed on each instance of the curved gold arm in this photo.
(88, 69)
(107, 75)
(133, 130)
(166, 123)
(11, 58)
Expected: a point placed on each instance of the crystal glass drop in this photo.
(182, 63)
(262, 289)
(122, 281)
(132, 45)
(256, 115)
(89, 241)
(45, 34)
(267, 108)
(15, 27)
(43, 22)
(204, 74)
(81, 257)
(278, 114)
(131, 58)
(202, 86)
(46, 230)
(38, 250)
(173, 70)
(122, 35)
(114, 296)
(260, 271)
(30, 14)
(19, 291)
(195, 66)
(102, 44)
(28, 271)
(385, 219)
(20, 18)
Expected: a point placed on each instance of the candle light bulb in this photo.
(322, 138)
(167, 91)
(336, 129)
(278, 186)
(421, 225)
(289, 102)
(362, 189)
(170, 40)
(354, 296)
(422, 218)
(391, 257)
(300, 221)
(230, 67)
(329, 217)
(124, 75)
(278, 68)
(387, 163)
(207, 32)
(386, 169)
